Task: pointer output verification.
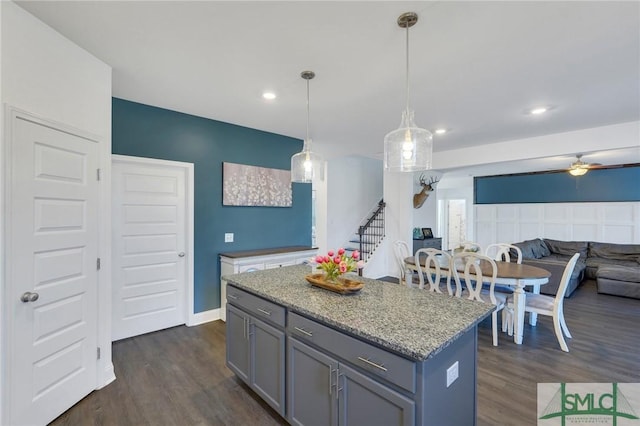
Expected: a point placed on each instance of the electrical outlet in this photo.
(228, 237)
(452, 373)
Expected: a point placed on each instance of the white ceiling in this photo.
(476, 67)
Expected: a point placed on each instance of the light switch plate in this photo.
(452, 373)
(228, 237)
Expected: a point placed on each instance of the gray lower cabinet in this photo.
(256, 353)
(323, 391)
(311, 395)
(237, 343)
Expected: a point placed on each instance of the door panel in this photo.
(237, 342)
(268, 358)
(311, 394)
(149, 236)
(53, 239)
(364, 401)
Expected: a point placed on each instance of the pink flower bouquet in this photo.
(334, 264)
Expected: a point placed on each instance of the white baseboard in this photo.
(202, 317)
(108, 377)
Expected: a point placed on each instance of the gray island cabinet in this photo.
(388, 355)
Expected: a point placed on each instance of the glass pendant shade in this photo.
(307, 166)
(408, 148)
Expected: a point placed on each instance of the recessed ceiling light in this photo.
(269, 96)
(539, 110)
(441, 131)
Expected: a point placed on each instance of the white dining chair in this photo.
(549, 305)
(473, 281)
(502, 252)
(400, 252)
(434, 260)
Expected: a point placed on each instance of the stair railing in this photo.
(371, 233)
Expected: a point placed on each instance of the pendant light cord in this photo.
(407, 70)
(307, 110)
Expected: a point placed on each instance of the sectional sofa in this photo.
(615, 267)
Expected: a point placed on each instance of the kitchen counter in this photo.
(411, 322)
(387, 355)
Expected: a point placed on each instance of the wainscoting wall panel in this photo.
(606, 222)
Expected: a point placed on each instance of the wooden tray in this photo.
(347, 286)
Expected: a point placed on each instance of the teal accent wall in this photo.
(598, 185)
(145, 131)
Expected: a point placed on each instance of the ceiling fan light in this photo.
(578, 171)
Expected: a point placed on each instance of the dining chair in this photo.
(502, 252)
(473, 280)
(552, 306)
(433, 263)
(401, 251)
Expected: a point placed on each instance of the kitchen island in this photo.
(388, 355)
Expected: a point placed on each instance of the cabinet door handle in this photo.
(232, 296)
(330, 378)
(264, 312)
(373, 364)
(338, 389)
(303, 331)
(244, 327)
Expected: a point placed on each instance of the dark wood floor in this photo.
(178, 377)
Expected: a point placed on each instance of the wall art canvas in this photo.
(244, 185)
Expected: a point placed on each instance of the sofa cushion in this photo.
(532, 249)
(568, 248)
(597, 262)
(619, 273)
(615, 251)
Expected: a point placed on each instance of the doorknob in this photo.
(181, 254)
(29, 297)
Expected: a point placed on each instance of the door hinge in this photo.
(98, 264)
(98, 174)
(98, 352)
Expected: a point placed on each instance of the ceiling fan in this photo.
(579, 167)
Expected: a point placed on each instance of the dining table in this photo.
(518, 276)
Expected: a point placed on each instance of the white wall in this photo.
(354, 187)
(398, 194)
(45, 74)
(604, 222)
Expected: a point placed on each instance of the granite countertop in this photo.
(411, 322)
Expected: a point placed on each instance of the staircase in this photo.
(369, 234)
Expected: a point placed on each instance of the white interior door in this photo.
(149, 245)
(52, 286)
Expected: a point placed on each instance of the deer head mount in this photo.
(420, 197)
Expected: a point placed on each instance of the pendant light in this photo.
(307, 166)
(409, 148)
